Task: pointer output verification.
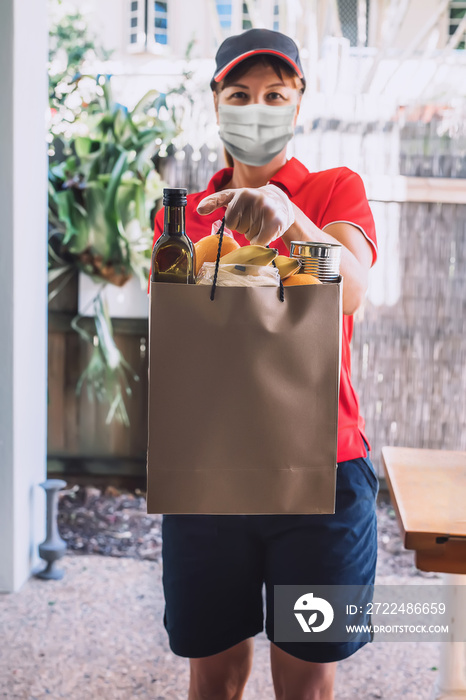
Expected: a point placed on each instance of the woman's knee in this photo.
(221, 676)
(295, 679)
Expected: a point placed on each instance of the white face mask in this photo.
(254, 134)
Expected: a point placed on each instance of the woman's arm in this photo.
(356, 254)
(265, 212)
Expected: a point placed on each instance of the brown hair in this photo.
(277, 64)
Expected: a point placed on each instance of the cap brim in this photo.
(226, 69)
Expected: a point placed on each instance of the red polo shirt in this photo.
(326, 197)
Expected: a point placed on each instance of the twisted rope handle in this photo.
(217, 262)
(282, 288)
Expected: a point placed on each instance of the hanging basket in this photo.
(120, 290)
(117, 275)
(126, 301)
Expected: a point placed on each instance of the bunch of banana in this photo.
(286, 266)
(261, 255)
(250, 255)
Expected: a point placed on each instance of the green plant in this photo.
(102, 191)
(106, 376)
(71, 45)
(102, 188)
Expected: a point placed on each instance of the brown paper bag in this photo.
(243, 399)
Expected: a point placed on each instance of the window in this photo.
(148, 24)
(247, 24)
(457, 12)
(276, 17)
(354, 16)
(224, 11)
(348, 14)
(137, 36)
(160, 22)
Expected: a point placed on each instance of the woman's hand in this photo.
(262, 214)
(265, 213)
(356, 254)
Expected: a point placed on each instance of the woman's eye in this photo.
(274, 96)
(238, 96)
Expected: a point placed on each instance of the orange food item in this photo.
(206, 249)
(300, 278)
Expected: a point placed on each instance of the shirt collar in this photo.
(219, 180)
(289, 177)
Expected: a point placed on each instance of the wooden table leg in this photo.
(451, 683)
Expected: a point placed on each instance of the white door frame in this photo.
(23, 286)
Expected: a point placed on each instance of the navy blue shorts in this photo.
(215, 566)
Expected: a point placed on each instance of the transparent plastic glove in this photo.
(262, 214)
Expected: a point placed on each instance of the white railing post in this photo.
(451, 682)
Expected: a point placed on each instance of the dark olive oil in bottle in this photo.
(173, 254)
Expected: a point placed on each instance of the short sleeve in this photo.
(158, 225)
(348, 204)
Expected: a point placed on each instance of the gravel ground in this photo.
(115, 523)
(98, 633)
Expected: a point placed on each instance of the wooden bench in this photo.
(428, 493)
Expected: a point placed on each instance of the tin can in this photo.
(319, 259)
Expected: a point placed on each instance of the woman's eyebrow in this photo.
(247, 87)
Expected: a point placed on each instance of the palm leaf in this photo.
(147, 99)
(83, 145)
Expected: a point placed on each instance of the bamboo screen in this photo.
(409, 355)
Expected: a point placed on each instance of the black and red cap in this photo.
(251, 43)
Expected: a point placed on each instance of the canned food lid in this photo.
(315, 249)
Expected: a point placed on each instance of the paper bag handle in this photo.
(217, 262)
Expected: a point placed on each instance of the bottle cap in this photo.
(174, 196)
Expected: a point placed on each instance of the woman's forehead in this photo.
(264, 75)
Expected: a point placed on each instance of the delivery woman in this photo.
(214, 566)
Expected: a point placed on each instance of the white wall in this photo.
(108, 20)
(417, 15)
(307, 21)
(23, 286)
(191, 20)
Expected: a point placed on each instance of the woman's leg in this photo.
(221, 676)
(212, 581)
(315, 552)
(294, 679)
